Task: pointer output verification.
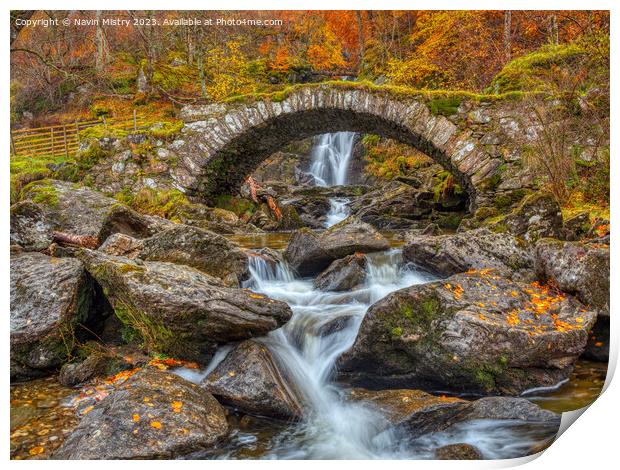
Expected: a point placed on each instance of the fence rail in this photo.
(64, 139)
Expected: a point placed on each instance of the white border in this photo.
(590, 443)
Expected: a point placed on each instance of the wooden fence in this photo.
(64, 139)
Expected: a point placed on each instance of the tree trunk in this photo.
(101, 59)
(554, 36)
(361, 39)
(201, 73)
(507, 34)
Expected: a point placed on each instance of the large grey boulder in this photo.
(200, 249)
(29, 227)
(309, 253)
(475, 332)
(442, 417)
(49, 298)
(581, 269)
(251, 379)
(179, 310)
(343, 274)
(153, 415)
(416, 413)
(82, 211)
(445, 255)
(538, 216)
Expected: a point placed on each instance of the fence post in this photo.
(52, 134)
(64, 135)
(105, 123)
(13, 145)
(135, 122)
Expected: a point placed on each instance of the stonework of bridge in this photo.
(221, 144)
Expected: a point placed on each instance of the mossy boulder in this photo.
(445, 255)
(79, 210)
(537, 216)
(179, 310)
(398, 205)
(577, 227)
(153, 415)
(474, 332)
(207, 251)
(49, 298)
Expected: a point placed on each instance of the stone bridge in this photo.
(475, 140)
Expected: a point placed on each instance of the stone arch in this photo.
(223, 144)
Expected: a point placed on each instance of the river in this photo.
(334, 426)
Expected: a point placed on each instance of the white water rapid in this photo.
(331, 156)
(308, 348)
(323, 326)
(338, 211)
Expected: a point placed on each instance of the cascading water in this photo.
(338, 211)
(309, 348)
(330, 158)
(330, 163)
(323, 326)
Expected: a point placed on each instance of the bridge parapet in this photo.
(479, 140)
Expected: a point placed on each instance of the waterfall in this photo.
(330, 163)
(330, 158)
(338, 211)
(334, 427)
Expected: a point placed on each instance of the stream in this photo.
(308, 347)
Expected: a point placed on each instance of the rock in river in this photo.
(309, 253)
(179, 310)
(153, 415)
(475, 332)
(49, 297)
(445, 255)
(343, 274)
(414, 413)
(581, 269)
(250, 379)
(198, 248)
(460, 451)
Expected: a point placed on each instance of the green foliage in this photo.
(42, 192)
(101, 131)
(445, 106)
(530, 71)
(240, 206)
(163, 203)
(98, 110)
(166, 130)
(445, 185)
(389, 159)
(91, 156)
